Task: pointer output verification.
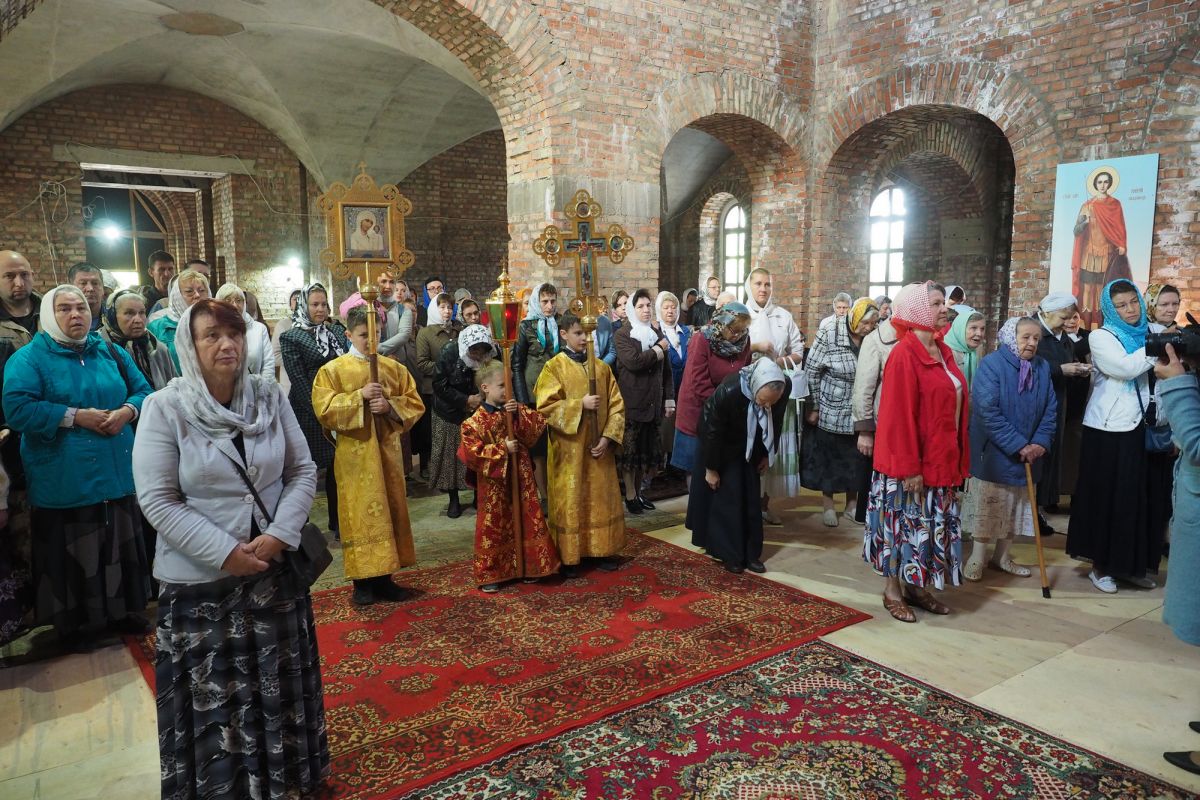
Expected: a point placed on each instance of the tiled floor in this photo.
(1101, 671)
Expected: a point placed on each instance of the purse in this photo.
(1158, 437)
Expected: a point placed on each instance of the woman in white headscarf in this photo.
(188, 287)
(739, 435)
(238, 678)
(455, 397)
(260, 356)
(72, 396)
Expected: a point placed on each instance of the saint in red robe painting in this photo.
(483, 450)
(1100, 245)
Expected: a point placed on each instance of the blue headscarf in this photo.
(1132, 337)
(546, 327)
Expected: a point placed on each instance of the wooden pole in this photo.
(370, 293)
(1037, 531)
(514, 468)
(592, 417)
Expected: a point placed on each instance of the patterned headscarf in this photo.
(715, 329)
(545, 326)
(1153, 291)
(141, 348)
(911, 309)
(471, 336)
(956, 340)
(1008, 338)
(1132, 337)
(754, 377)
(862, 306)
(327, 343)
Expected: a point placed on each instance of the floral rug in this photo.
(815, 722)
(453, 678)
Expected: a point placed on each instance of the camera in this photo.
(1186, 341)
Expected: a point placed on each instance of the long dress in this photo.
(373, 511)
(587, 517)
(483, 450)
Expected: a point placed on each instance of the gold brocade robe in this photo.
(587, 516)
(372, 509)
(483, 450)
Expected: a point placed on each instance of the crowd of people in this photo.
(165, 432)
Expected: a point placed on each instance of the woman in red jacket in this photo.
(921, 459)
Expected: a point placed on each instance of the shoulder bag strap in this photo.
(249, 485)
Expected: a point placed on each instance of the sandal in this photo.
(925, 600)
(899, 610)
(1011, 567)
(973, 570)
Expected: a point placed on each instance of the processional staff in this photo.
(504, 315)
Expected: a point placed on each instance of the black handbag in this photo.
(309, 560)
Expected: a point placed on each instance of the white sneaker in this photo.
(1105, 584)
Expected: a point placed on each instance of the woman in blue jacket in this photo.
(1013, 419)
(73, 396)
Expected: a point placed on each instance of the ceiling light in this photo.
(293, 261)
(109, 232)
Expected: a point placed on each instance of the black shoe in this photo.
(570, 570)
(736, 569)
(490, 588)
(337, 535)
(385, 589)
(1183, 760)
(633, 507)
(1046, 528)
(364, 594)
(646, 504)
(610, 563)
(131, 624)
(1053, 508)
(757, 566)
(1194, 726)
(454, 510)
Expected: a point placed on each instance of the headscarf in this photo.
(460, 295)
(176, 305)
(950, 290)
(911, 309)
(672, 332)
(1132, 337)
(141, 348)
(327, 343)
(49, 322)
(471, 336)
(752, 378)
(255, 398)
(545, 327)
(1008, 338)
(433, 314)
(708, 301)
(956, 340)
(714, 330)
(859, 310)
(1057, 301)
(640, 331)
(228, 290)
(759, 315)
(689, 293)
(1151, 297)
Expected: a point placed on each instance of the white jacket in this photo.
(260, 355)
(1113, 403)
(776, 326)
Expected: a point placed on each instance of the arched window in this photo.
(887, 243)
(733, 250)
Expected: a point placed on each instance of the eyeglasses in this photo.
(1128, 304)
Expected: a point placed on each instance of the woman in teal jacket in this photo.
(73, 396)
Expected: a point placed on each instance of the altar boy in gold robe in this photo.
(372, 509)
(486, 450)
(587, 516)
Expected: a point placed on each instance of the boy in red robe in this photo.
(486, 449)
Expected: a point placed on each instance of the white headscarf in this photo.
(228, 290)
(546, 327)
(672, 332)
(760, 324)
(433, 314)
(50, 324)
(255, 398)
(640, 331)
(754, 377)
(1056, 301)
(471, 336)
(176, 305)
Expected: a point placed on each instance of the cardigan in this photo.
(644, 377)
(916, 433)
(872, 357)
(723, 431)
(702, 375)
(1004, 420)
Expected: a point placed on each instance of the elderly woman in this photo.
(831, 459)
(774, 335)
(1109, 512)
(1181, 609)
(185, 290)
(841, 307)
(721, 349)
(124, 325)
(72, 396)
(644, 377)
(260, 356)
(922, 456)
(455, 397)
(313, 341)
(964, 338)
(1013, 416)
(238, 675)
(739, 433)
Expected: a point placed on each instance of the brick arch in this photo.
(709, 229)
(180, 213)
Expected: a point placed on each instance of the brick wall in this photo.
(689, 244)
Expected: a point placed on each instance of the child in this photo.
(537, 343)
(373, 512)
(485, 449)
(586, 517)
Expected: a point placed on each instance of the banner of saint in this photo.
(1101, 244)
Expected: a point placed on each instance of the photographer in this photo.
(1181, 405)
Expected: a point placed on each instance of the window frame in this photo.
(888, 286)
(723, 256)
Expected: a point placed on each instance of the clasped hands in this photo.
(254, 556)
(376, 400)
(106, 423)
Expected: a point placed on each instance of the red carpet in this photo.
(417, 691)
(815, 723)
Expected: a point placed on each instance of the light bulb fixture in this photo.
(293, 261)
(109, 232)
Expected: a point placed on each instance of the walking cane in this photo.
(1037, 531)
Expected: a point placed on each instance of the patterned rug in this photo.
(813, 723)
(417, 691)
